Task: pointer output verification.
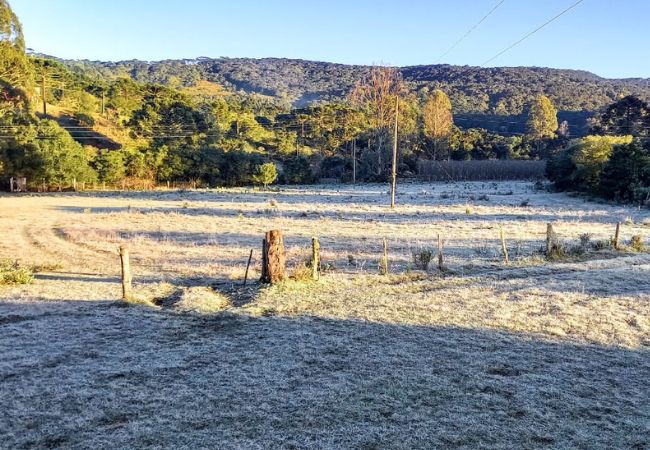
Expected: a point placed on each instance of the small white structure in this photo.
(18, 184)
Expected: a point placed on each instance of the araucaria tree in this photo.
(438, 122)
(542, 118)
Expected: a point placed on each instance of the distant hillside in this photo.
(472, 90)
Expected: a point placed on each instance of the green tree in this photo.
(626, 176)
(56, 158)
(628, 116)
(590, 156)
(15, 70)
(265, 174)
(109, 166)
(542, 118)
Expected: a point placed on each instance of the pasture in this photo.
(483, 355)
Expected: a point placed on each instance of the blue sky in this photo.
(608, 37)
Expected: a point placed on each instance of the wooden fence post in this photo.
(250, 257)
(383, 264)
(126, 272)
(315, 259)
(617, 236)
(274, 261)
(265, 264)
(504, 247)
(550, 239)
(441, 260)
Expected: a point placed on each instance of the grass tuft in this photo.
(12, 273)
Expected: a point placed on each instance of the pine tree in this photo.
(438, 121)
(15, 70)
(542, 118)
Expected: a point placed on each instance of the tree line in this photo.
(110, 128)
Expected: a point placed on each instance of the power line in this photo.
(548, 22)
(471, 30)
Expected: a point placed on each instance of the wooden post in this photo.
(441, 260)
(354, 160)
(315, 259)
(393, 186)
(126, 272)
(264, 261)
(43, 96)
(549, 238)
(617, 236)
(383, 265)
(250, 258)
(11, 184)
(274, 262)
(74, 184)
(504, 247)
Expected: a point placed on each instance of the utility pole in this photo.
(394, 174)
(354, 160)
(103, 103)
(43, 95)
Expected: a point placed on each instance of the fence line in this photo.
(481, 170)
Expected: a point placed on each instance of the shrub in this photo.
(636, 243)
(83, 119)
(301, 272)
(11, 272)
(585, 239)
(422, 258)
(297, 170)
(265, 174)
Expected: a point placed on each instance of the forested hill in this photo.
(504, 91)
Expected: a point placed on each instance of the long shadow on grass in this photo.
(133, 378)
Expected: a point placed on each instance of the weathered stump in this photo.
(273, 258)
(617, 236)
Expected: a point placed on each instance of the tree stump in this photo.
(617, 236)
(273, 258)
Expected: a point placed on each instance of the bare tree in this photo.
(377, 95)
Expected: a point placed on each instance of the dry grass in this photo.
(533, 355)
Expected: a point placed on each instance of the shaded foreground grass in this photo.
(82, 375)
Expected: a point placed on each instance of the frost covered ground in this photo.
(533, 355)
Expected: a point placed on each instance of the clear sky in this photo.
(608, 37)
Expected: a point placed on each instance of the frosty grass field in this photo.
(536, 354)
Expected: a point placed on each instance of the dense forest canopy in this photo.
(503, 91)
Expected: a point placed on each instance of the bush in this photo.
(238, 167)
(11, 272)
(636, 243)
(422, 258)
(627, 173)
(297, 170)
(266, 174)
(83, 119)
